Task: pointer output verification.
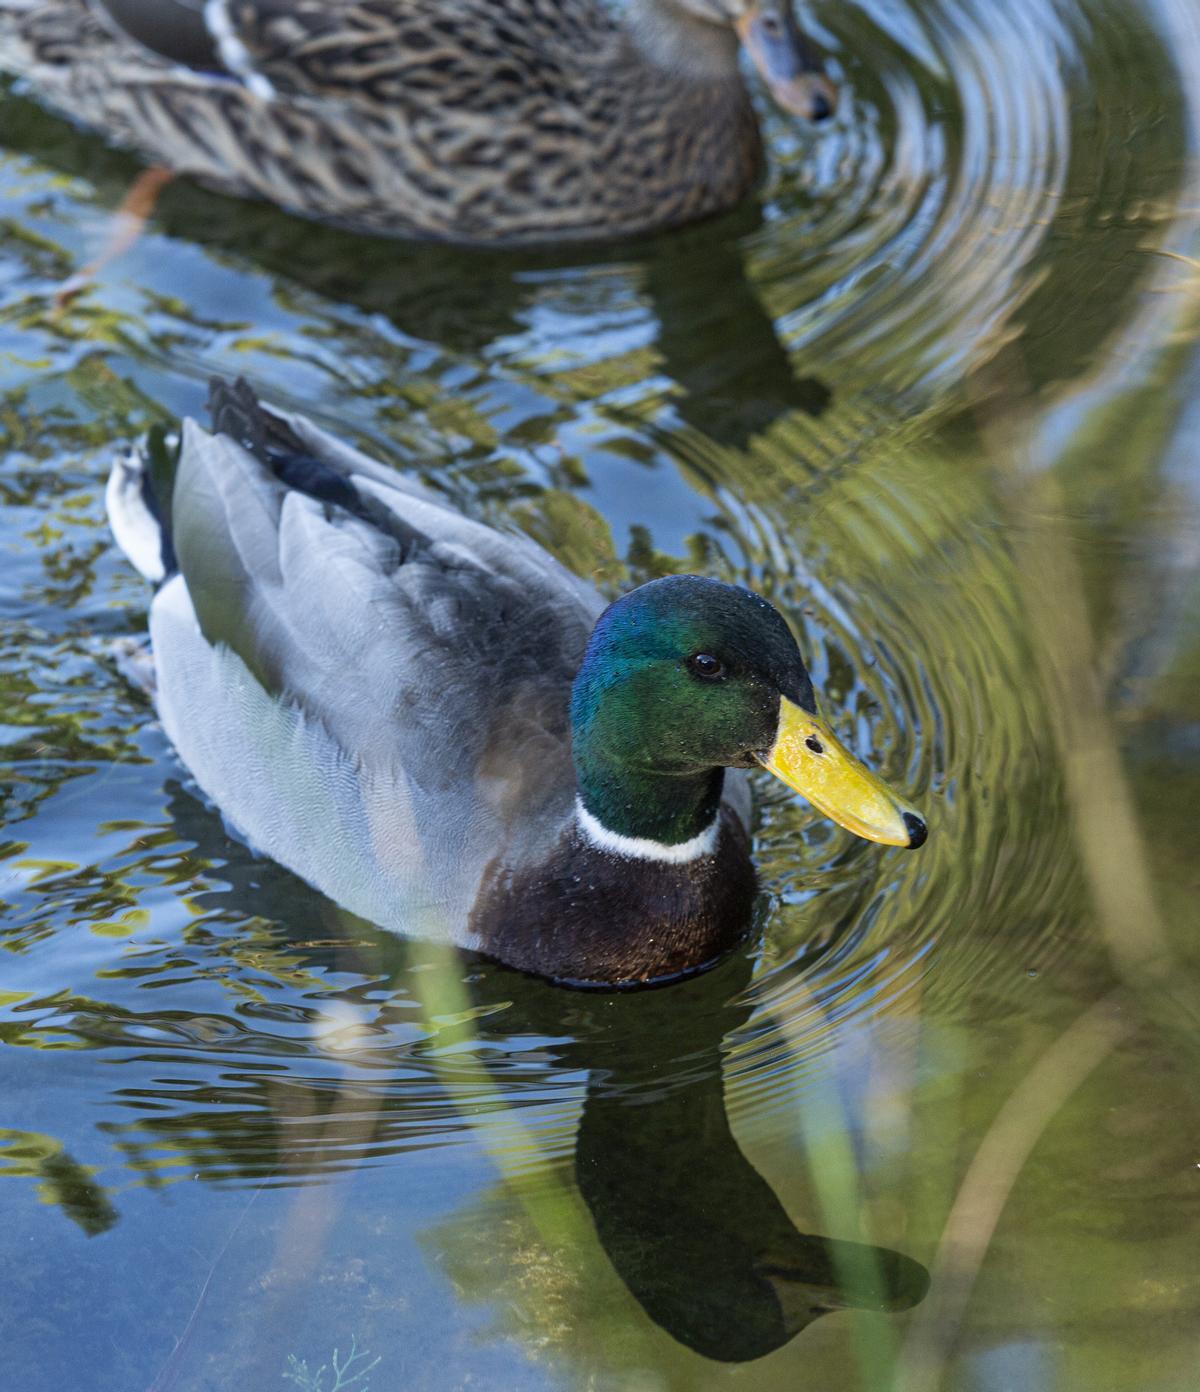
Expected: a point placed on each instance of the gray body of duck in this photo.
(448, 733)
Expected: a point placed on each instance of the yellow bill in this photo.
(808, 756)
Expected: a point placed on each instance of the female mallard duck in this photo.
(445, 731)
(485, 121)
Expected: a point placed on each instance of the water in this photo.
(936, 396)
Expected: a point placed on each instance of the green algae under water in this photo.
(938, 395)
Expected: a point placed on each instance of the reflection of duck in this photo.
(405, 707)
(693, 1230)
(690, 1227)
(473, 120)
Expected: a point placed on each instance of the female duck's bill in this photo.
(808, 757)
(777, 48)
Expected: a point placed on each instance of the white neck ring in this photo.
(642, 847)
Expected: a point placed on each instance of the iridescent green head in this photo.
(685, 677)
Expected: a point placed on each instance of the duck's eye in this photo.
(707, 666)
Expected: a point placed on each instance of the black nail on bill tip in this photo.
(918, 832)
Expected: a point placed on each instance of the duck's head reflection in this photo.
(693, 1230)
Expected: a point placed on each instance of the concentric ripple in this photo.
(921, 214)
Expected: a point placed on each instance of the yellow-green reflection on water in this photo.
(937, 397)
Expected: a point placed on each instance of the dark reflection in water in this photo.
(62, 1180)
(694, 1231)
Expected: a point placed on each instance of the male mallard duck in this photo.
(445, 731)
(497, 121)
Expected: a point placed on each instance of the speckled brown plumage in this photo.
(486, 121)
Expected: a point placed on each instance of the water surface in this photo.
(937, 394)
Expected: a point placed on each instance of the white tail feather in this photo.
(135, 527)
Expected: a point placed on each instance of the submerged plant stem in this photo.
(1031, 1107)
